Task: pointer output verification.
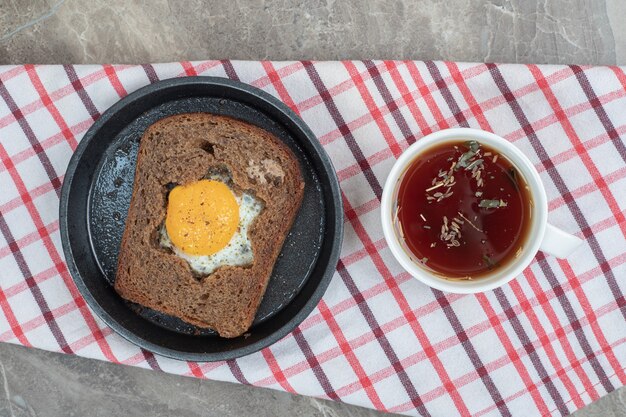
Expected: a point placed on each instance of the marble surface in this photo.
(125, 31)
(37, 383)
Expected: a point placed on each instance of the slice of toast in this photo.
(184, 148)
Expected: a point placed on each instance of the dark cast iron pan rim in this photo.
(335, 210)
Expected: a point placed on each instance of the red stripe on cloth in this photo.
(136, 359)
(474, 107)
(362, 253)
(282, 72)
(94, 328)
(336, 134)
(279, 86)
(14, 325)
(115, 80)
(373, 109)
(204, 66)
(426, 95)
(619, 73)
(367, 207)
(88, 339)
(206, 367)
(407, 97)
(601, 226)
(278, 373)
(28, 239)
(333, 91)
(39, 321)
(348, 353)
(49, 143)
(609, 178)
(367, 294)
(17, 201)
(570, 112)
(195, 370)
(189, 69)
(11, 73)
(49, 104)
(22, 286)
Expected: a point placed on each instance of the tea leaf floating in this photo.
(465, 159)
(512, 175)
(492, 203)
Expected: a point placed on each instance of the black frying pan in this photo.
(96, 195)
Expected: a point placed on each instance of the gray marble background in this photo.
(37, 383)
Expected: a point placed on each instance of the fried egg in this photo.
(207, 224)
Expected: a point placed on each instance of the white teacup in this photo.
(541, 236)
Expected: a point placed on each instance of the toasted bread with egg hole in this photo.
(183, 149)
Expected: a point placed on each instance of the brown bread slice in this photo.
(184, 148)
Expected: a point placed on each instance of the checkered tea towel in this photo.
(548, 343)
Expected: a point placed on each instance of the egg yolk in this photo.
(201, 217)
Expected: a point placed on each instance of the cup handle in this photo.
(558, 243)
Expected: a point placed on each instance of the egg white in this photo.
(238, 251)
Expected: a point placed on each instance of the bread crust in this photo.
(184, 148)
